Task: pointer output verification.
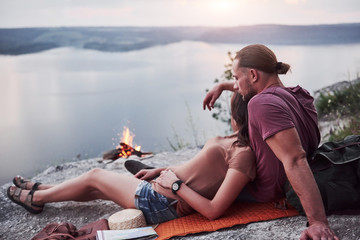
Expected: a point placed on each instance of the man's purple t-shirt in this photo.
(273, 110)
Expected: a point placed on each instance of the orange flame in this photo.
(127, 138)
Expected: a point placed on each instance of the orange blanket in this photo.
(239, 213)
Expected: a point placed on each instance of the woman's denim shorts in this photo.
(155, 207)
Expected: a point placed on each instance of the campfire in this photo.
(125, 149)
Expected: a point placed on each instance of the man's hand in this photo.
(147, 174)
(211, 97)
(286, 145)
(318, 230)
(215, 93)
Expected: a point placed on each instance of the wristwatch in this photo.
(176, 186)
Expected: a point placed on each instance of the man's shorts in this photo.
(155, 207)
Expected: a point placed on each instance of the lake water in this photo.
(57, 104)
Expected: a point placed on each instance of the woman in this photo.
(209, 183)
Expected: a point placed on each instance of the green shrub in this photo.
(340, 103)
(353, 128)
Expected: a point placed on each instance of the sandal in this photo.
(21, 182)
(14, 193)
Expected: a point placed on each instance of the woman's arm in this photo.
(231, 187)
(148, 174)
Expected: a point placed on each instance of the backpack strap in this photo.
(345, 151)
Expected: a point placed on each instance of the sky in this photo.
(58, 13)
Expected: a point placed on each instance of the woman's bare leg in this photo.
(24, 183)
(91, 194)
(95, 184)
(41, 186)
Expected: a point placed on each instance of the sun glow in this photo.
(222, 6)
(295, 2)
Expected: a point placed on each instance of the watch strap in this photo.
(178, 183)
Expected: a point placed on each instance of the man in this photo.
(282, 126)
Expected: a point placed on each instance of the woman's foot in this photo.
(23, 183)
(24, 198)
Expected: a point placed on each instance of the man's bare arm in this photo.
(215, 93)
(287, 147)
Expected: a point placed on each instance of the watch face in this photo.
(175, 186)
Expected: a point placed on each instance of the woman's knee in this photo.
(95, 174)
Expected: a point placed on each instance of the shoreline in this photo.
(325, 124)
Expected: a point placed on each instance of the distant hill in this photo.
(17, 41)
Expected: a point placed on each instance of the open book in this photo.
(134, 233)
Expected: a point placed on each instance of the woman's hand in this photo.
(147, 174)
(167, 178)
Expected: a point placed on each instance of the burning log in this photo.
(111, 155)
(123, 151)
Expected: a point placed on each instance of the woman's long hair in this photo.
(239, 113)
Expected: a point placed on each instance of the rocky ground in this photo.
(16, 223)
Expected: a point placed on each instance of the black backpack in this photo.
(336, 169)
